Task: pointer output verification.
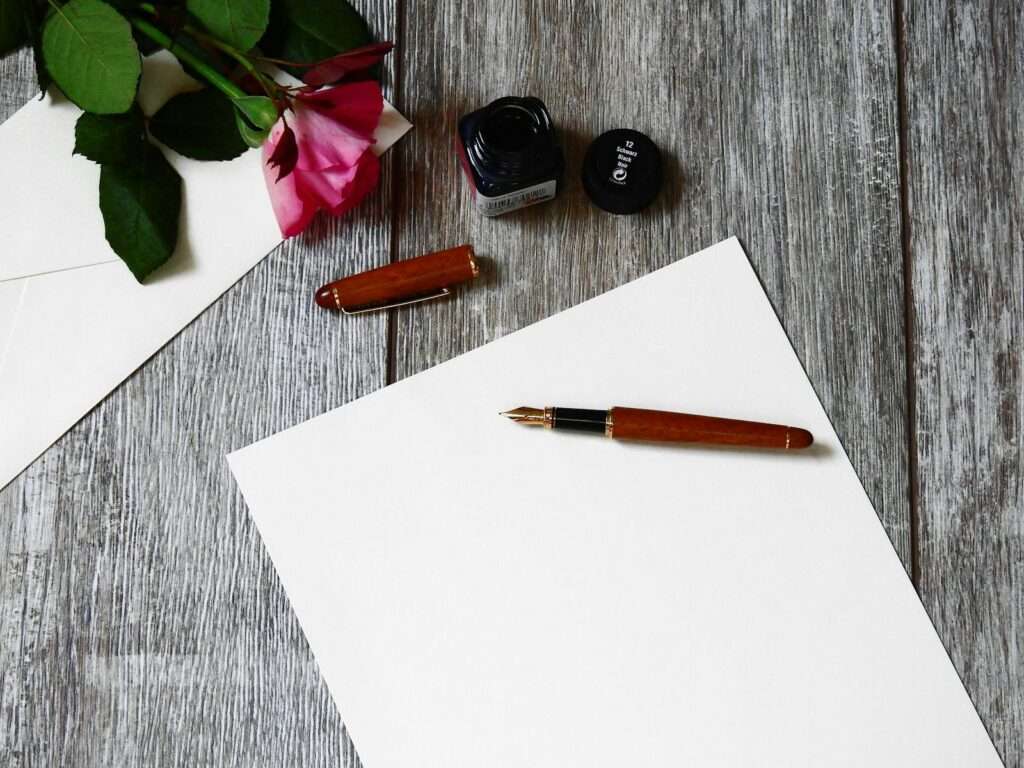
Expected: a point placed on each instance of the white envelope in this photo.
(74, 322)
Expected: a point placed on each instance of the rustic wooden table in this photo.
(868, 156)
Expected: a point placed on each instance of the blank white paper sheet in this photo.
(483, 595)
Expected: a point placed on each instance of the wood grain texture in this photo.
(658, 426)
(141, 622)
(790, 147)
(965, 110)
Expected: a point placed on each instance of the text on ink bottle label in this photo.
(521, 198)
(625, 154)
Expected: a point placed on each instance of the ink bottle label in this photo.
(510, 154)
(513, 201)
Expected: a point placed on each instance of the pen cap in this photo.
(405, 282)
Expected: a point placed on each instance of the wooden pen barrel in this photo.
(400, 282)
(663, 427)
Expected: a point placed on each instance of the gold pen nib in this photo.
(524, 415)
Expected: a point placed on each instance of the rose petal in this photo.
(335, 168)
(345, 64)
(326, 188)
(292, 212)
(365, 181)
(324, 142)
(358, 106)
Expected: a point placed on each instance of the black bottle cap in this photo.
(622, 171)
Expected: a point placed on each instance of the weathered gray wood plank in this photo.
(965, 106)
(780, 123)
(141, 622)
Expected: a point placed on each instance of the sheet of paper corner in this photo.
(73, 321)
(478, 593)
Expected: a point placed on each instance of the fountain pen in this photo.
(665, 427)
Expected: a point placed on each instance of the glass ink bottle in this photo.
(511, 155)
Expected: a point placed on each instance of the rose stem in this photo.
(215, 78)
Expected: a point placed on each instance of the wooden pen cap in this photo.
(405, 282)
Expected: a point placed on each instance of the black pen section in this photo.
(578, 419)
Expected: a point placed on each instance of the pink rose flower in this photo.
(319, 155)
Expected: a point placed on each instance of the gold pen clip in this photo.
(415, 300)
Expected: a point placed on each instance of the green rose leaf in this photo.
(141, 204)
(90, 53)
(112, 139)
(307, 31)
(239, 23)
(200, 125)
(14, 31)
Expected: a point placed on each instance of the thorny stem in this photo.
(269, 86)
(285, 62)
(212, 76)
